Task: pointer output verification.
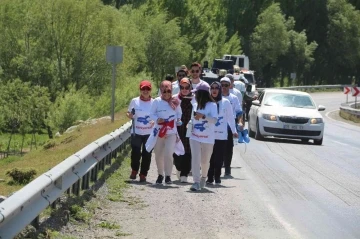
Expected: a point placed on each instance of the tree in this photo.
(270, 40)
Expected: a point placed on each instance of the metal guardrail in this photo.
(350, 109)
(307, 87)
(73, 174)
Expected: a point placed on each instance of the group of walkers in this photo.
(203, 118)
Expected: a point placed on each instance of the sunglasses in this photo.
(145, 89)
(195, 71)
(166, 91)
(225, 85)
(181, 75)
(184, 87)
(214, 88)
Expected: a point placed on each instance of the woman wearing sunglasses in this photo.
(202, 137)
(166, 112)
(139, 111)
(225, 119)
(183, 162)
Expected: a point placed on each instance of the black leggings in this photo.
(217, 159)
(138, 153)
(183, 163)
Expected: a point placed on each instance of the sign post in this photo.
(355, 92)
(347, 89)
(114, 55)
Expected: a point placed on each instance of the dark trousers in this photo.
(138, 153)
(217, 159)
(228, 152)
(183, 163)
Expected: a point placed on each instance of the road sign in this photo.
(355, 91)
(347, 89)
(114, 54)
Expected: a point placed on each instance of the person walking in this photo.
(225, 88)
(202, 136)
(225, 118)
(195, 71)
(183, 162)
(166, 112)
(139, 112)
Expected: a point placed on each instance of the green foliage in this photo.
(79, 214)
(108, 225)
(69, 107)
(21, 176)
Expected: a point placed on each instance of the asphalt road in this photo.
(278, 189)
(311, 191)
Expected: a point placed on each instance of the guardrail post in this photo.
(85, 182)
(68, 191)
(36, 222)
(94, 174)
(53, 205)
(76, 188)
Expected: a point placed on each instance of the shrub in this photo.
(21, 177)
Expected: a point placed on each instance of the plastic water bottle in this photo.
(235, 141)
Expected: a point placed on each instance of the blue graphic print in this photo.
(200, 126)
(155, 131)
(168, 119)
(143, 120)
(218, 121)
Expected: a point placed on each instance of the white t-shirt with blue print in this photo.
(225, 118)
(142, 115)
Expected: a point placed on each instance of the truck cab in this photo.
(240, 60)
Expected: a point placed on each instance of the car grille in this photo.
(293, 120)
(292, 132)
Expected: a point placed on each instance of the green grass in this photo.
(56, 150)
(16, 142)
(108, 225)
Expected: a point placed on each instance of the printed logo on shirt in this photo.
(168, 119)
(144, 120)
(200, 126)
(218, 121)
(155, 131)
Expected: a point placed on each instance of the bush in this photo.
(21, 177)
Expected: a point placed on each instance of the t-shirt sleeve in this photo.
(153, 109)
(213, 114)
(230, 116)
(131, 105)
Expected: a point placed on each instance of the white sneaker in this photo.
(178, 174)
(195, 187)
(202, 182)
(183, 179)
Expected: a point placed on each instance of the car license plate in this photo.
(294, 127)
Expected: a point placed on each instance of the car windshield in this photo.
(288, 100)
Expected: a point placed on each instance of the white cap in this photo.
(226, 79)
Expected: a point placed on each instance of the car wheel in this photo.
(258, 135)
(251, 133)
(305, 140)
(318, 141)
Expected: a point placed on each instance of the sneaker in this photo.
(159, 179)
(133, 174)
(178, 174)
(217, 181)
(210, 181)
(228, 171)
(202, 182)
(195, 187)
(142, 178)
(168, 180)
(183, 179)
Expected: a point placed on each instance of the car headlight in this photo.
(316, 121)
(270, 117)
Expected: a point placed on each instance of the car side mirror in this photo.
(321, 108)
(256, 102)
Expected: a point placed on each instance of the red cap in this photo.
(145, 84)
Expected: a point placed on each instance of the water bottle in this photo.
(235, 139)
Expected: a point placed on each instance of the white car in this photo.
(286, 114)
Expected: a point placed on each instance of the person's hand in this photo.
(152, 123)
(160, 120)
(240, 127)
(198, 116)
(129, 115)
(235, 135)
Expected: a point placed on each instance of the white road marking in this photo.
(288, 227)
(334, 120)
(339, 143)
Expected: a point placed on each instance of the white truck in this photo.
(240, 60)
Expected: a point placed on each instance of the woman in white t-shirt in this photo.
(225, 119)
(202, 137)
(139, 112)
(166, 112)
